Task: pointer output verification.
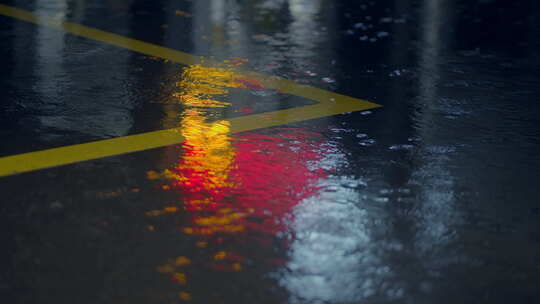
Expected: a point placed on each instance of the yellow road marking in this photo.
(329, 104)
(280, 84)
(76, 153)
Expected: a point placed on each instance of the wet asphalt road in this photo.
(430, 199)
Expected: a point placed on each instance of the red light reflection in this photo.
(239, 193)
(269, 175)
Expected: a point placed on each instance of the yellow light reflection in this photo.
(230, 193)
(203, 173)
(199, 84)
(208, 153)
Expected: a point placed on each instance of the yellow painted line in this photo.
(329, 104)
(77, 153)
(272, 82)
(102, 36)
(271, 119)
(33, 161)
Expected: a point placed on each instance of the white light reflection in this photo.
(437, 214)
(305, 11)
(334, 257)
(58, 59)
(49, 46)
(305, 34)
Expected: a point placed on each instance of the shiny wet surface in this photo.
(430, 199)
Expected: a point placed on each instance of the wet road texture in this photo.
(269, 151)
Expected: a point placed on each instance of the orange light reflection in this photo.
(231, 188)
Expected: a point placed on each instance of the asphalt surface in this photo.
(431, 198)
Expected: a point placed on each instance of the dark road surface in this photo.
(431, 198)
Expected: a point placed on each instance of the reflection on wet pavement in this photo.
(430, 199)
(237, 192)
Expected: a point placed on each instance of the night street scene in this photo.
(270, 151)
